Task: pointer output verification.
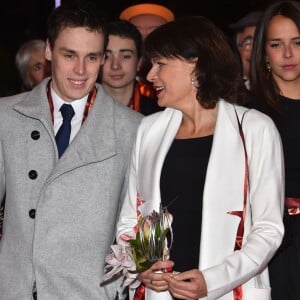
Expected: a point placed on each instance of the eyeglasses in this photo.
(246, 43)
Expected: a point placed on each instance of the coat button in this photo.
(32, 213)
(35, 135)
(32, 174)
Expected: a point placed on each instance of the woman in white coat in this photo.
(216, 165)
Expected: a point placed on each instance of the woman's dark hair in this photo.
(263, 86)
(78, 13)
(196, 37)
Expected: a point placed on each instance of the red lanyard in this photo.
(88, 106)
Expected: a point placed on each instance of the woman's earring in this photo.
(268, 68)
(193, 80)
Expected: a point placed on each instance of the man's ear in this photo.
(48, 52)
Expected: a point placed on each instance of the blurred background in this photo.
(27, 19)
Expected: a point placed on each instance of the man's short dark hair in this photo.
(75, 14)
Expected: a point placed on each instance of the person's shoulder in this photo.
(38, 92)
(251, 118)
(124, 111)
(258, 122)
(11, 100)
(254, 115)
(241, 110)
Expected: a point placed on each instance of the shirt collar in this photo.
(78, 105)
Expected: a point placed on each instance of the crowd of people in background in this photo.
(117, 118)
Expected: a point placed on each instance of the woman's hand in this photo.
(153, 278)
(189, 285)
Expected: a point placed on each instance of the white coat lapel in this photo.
(153, 151)
(224, 178)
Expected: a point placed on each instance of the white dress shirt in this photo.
(78, 106)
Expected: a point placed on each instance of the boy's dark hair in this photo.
(126, 29)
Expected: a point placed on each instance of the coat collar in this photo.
(35, 105)
(96, 139)
(94, 142)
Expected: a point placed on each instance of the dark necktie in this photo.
(63, 134)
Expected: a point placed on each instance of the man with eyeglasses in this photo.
(244, 30)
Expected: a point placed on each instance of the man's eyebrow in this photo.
(121, 50)
(67, 50)
(99, 53)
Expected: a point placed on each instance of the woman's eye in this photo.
(297, 42)
(37, 67)
(274, 45)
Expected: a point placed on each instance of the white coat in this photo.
(222, 267)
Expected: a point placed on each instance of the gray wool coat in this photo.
(60, 215)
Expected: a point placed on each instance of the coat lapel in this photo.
(35, 105)
(157, 143)
(95, 140)
(223, 190)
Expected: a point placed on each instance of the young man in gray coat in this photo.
(61, 206)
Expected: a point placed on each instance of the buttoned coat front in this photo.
(222, 267)
(60, 213)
